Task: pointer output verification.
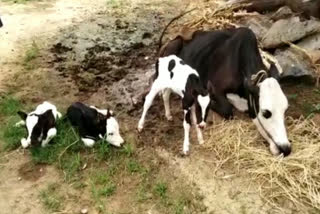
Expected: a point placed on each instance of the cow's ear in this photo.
(23, 115)
(253, 89)
(110, 113)
(274, 72)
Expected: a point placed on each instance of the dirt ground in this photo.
(100, 53)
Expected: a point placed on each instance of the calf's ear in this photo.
(110, 113)
(274, 72)
(23, 115)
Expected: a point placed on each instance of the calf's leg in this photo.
(155, 89)
(51, 133)
(186, 126)
(198, 130)
(166, 100)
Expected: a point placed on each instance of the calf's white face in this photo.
(270, 119)
(113, 133)
(204, 103)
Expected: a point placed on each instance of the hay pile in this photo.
(238, 147)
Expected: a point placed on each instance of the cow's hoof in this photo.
(169, 118)
(140, 129)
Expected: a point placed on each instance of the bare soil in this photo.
(102, 53)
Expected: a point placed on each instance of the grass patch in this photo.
(9, 106)
(160, 189)
(51, 199)
(31, 54)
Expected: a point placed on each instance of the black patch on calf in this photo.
(171, 65)
(157, 70)
(188, 117)
(23, 115)
(46, 121)
(89, 122)
(171, 74)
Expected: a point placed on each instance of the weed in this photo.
(133, 166)
(9, 106)
(128, 149)
(50, 198)
(31, 54)
(292, 96)
(161, 189)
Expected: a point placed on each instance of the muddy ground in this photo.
(102, 53)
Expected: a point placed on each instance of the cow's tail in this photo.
(172, 20)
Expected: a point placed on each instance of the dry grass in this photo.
(294, 179)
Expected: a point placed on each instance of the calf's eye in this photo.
(110, 134)
(266, 114)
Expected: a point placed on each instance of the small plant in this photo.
(133, 166)
(161, 189)
(50, 198)
(31, 54)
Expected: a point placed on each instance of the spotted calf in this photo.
(172, 74)
(40, 124)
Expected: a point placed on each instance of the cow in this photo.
(174, 75)
(231, 68)
(94, 124)
(40, 124)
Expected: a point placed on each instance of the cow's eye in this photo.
(266, 114)
(110, 134)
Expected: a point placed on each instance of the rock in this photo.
(296, 65)
(289, 30)
(311, 42)
(259, 24)
(84, 211)
(282, 13)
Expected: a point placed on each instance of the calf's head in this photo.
(110, 125)
(201, 100)
(267, 107)
(37, 125)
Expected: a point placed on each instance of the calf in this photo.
(40, 124)
(172, 74)
(93, 124)
(230, 61)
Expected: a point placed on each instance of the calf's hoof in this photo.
(140, 128)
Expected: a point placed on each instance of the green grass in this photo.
(31, 54)
(51, 199)
(9, 134)
(161, 189)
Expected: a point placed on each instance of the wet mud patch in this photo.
(112, 54)
(31, 172)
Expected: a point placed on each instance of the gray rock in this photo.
(289, 30)
(296, 65)
(259, 24)
(282, 13)
(311, 43)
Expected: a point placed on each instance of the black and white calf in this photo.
(172, 74)
(40, 124)
(93, 124)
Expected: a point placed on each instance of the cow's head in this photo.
(267, 107)
(36, 124)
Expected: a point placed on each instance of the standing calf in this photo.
(93, 124)
(40, 124)
(172, 74)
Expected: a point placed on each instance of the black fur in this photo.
(171, 65)
(89, 122)
(46, 121)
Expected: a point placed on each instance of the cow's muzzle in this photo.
(284, 149)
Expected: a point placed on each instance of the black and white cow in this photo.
(40, 124)
(230, 66)
(172, 74)
(93, 124)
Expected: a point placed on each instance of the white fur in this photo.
(273, 99)
(239, 103)
(88, 142)
(113, 133)
(203, 101)
(177, 84)
(51, 134)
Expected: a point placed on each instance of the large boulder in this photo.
(289, 30)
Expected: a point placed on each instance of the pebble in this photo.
(19, 179)
(84, 211)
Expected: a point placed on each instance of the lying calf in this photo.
(93, 124)
(172, 74)
(40, 124)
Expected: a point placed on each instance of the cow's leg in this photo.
(198, 130)
(186, 126)
(222, 106)
(155, 89)
(51, 133)
(166, 100)
(239, 103)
